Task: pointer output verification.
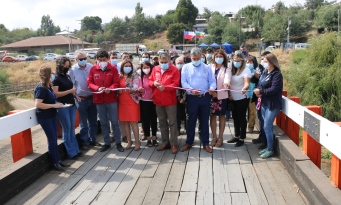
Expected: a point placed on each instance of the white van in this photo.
(21, 57)
(302, 46)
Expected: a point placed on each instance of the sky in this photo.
(65, 13)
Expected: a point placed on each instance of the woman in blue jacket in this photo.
(270, 89)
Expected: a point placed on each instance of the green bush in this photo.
(316, 75)
(298, 56)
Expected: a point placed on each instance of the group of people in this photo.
(200, 86)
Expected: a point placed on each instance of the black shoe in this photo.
(85, 147)
(105, 148)
(95, 144)
(233, 140)
(119, 147)
(58, 167)
(64, 164)
(263, 145)
(80, 154)
(256, 141)
(239, 143)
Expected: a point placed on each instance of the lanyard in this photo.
(52, 93)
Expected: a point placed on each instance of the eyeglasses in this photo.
(82, 59)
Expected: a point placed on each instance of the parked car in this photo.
(21, 57)
(50, 56)
(269, 48)
(162, 51)
(302, 46)
(71, 56)
(91, 55)
(32, 58)
(119, 54)
(9, 59)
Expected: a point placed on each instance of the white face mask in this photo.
(138, 72)
(266, 65)
(146, 71)
(103, 65)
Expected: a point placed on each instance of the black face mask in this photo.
(156, 63)
(187, 60)
(65, 70)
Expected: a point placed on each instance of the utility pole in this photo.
(68, 36)
(288, 29)
(81, 22)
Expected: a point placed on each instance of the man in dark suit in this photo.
(245, 50)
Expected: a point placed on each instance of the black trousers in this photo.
(181, 114)
(148, 117)
(239, 117)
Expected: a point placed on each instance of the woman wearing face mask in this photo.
(128, 103)
(240, 83)
(147, 107)
(181, 95)
(203, 58)
(270, 88)
(65, 92)
(45, 102)
(219, 99)
(252, 107)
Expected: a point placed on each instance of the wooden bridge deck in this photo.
(228, 176)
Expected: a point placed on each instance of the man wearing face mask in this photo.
(114, 61)
(185, 55)
(245, 51)
(198, 77)
(166, 74)
(86, 108)
(102, 77)
(209, 57)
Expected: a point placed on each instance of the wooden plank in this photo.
(170, 198)
(186, 198)
(205, 182)
(190, 181)
(240, 199)
(157, 186)
(152, 164)
(222, 199)
(221, 184)
(253, 187)
(181, 157)
(175, 177)
(137, 195)
(234, 175)
(127, 185)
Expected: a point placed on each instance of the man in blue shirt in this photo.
(198, 78)
(86, 108)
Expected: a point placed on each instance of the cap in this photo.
(155, 57)
(175, 56)
(186, 51)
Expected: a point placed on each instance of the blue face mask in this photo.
(237, 64)
(179, 66)
(244, 52)
(114, 61)
(196, 63)
(127, 70)
(203, 60)
(209, 55)
(52, 77)
(82, 62)
(249, 65)
(164, 66)
(219, 60)
(145, 59)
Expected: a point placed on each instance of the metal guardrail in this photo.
(18, 87)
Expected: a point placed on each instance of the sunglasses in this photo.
(82, 59)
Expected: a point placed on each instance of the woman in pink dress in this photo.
(128, 103)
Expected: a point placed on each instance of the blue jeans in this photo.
(262, 136)
(198, 107)
(108, 112)
(50, 127)
(269, 117)
(88, 120)
(67, 118)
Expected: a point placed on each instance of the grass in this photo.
(4, 107)
(157, 41)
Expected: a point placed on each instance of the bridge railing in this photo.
(317, 131)
(17, 87)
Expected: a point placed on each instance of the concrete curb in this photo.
(314, 184)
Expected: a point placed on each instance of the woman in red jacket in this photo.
(162, 78)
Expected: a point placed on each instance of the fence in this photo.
(18, 87)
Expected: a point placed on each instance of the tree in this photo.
(92, 23)
(280, 7)
(186, 12)
(253, 15)
(313, 4)
(47, 27)
(99, 37)
(138, 20)
(175, 33)
(168, 19)
(327, 17)
(216, 26)
(274, 28)
(117, 27)
(207, 13)
(231, 35)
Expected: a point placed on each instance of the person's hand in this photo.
(78, 98)
(161, 88)
(182, 101)
(256, 74)
(226, 86)
(100, 89)
(107, 91)
(119, 92)
(195, 92)
(243, 91)
(58, 105)
(157, 83)
(72, 91)
(141, 90)
(256, 91)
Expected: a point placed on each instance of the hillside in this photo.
(157, 41)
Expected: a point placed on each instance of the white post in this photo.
(289, 22)
(68, 35)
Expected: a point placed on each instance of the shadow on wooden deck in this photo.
(228, 176)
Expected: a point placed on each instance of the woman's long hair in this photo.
(44, 75)
(60, 64)
(272, 59)
(240, 56)
(142, 73)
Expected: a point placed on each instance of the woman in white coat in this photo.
(219, 99)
